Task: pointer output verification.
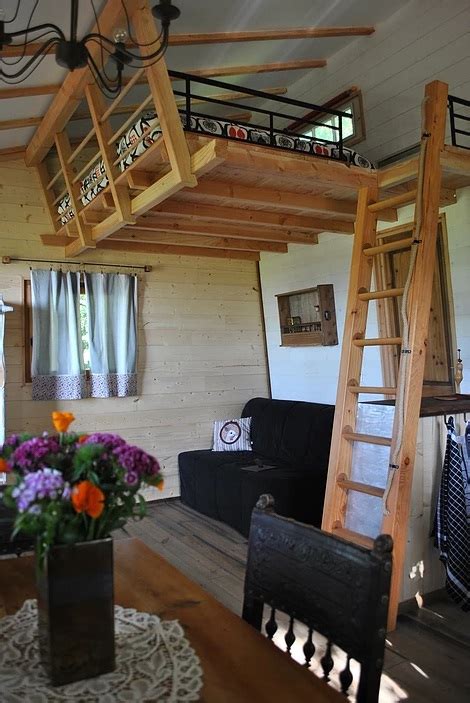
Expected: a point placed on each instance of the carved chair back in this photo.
(332, 586)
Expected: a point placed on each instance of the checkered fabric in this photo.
(452, 527)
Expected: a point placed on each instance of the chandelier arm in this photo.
(15, 14)
(36, 59)
(106, 89)
(129, 54)
(38, 28)
(20, 58)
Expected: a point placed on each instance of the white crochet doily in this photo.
(154, 663)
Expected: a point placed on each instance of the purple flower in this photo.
(32, 454)
(137, 463)
(36, 486)
(109, 441)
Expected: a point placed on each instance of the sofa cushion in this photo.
(291, 432)
(232, 435)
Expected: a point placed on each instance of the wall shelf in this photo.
(308, 317)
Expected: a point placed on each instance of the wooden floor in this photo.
(427, 657)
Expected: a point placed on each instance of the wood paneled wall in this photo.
(201, 352)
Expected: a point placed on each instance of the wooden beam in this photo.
(320, 171)
(27, 91)
(301, 64)
(199, 240)
(10, 153)
(167, 224)
(398, 173)
(258, 217)
(277, 198)
(20, 123)
(70, 93)
(232, 37)
(146, 248)
(455, 160)
(164, 100)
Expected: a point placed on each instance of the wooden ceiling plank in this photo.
(147, 248)
(259, 217)
(70, 92)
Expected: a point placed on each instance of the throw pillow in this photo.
(232, 435)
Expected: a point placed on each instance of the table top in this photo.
(239, 664)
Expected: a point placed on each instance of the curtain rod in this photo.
(10, 259)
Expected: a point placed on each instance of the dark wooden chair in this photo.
(332, 586)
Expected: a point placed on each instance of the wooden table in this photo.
(239, 664)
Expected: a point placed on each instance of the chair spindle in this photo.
(271, 625)
(309, 648)
(327, 662)
(346, 677)
(289, 637)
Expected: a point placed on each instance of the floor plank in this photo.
(421, 666)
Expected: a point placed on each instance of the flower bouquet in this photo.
(71, 492)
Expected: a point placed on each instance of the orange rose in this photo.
(4, 466)
(82, 438)
(88, 498)
(61, 421)
(161, 485)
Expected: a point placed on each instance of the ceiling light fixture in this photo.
(74, 53)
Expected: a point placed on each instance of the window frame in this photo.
(341, 102)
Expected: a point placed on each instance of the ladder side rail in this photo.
(351, 360)
(399, 499)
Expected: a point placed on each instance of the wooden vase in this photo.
(76, 611)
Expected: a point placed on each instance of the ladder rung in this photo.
(377, 341)
(367, 438)
(355, 537)
(394, 201)
(390, 246)
(347, 485)
(379, 294)
(372, 389)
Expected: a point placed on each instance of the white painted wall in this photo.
(311, 373)
(421, 42)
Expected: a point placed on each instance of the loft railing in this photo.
(457, 121)
(270, 116)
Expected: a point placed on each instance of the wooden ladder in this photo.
(340, 485)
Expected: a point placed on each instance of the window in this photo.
(390, 271)
(307, 317)
(28, 330)
(354, 131)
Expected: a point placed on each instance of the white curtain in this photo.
(112, 328)
(57, 359)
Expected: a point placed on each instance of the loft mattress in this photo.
(96, 180)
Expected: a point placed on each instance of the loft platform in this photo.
(169, 166)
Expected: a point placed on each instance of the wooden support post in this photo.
(399, 502)
(103, 133)
(162, 92)
(64, 150)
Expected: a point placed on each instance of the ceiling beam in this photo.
(15, 51)
(165, 223)
(257, 217)
(71, 91)
(260, 68)
(148, 248)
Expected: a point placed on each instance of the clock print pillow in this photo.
(232, 435)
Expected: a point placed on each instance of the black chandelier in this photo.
(74, 53)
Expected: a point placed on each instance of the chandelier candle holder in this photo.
(73, 53)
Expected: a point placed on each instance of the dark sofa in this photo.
(292, 436)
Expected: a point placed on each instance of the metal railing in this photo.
(456, 120)
(268, 115)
